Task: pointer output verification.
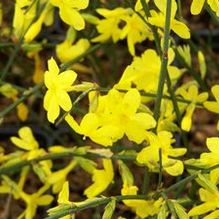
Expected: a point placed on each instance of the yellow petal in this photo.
(202, 64)
(44, 200)
(213, 215)
(202, 209)
(197, 6)
(47, 99)
(53, 110)
(176, 152)
(66, 79)
(64, 100)
(106, 135)
(73, 124)
(89, 123)
(79, 4)
(180, 29)
(215, 91)
(212, 106)
(22, 111)
(131, 101)
(72, 17)
(64, 193)
(53, 67)
(213, 144)
(176, 168)
(187, 119)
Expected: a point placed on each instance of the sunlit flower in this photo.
(142, 208)
(68, 50)
(58, 86)
(190, 93)
(147, 78)
(197, 6)
(158, 19)
(69, 12)
(150, 154)
(211, 204)
(101, 179)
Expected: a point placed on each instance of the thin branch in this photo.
(164, 61)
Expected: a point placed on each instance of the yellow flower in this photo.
(101, 178)
(158, 19)
(10, 187)
(27, 142)
(146, 78)
(212, 158)
(211, 203)
(142, 208)
(33, 201)
(197, 6)
(26, 139)
(134, 28)
(66, 51)
(109, 26)
(105, 125)
(90, 126)
(63, 197)
(192, 95)
(68, 11)
(23, 19)
(136, 31)
(213, 105)
(150, 154)
(57, 178)
(58, 85)
(36, 27)
(119, 109)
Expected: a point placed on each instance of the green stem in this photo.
(179, 8)
(164, 61)
(146, 181)
(70, 210)
(92, 204)
(5, 169)
(160, 170)
(177, 111)
(3, 45)
(153, 29)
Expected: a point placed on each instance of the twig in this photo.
(164, 61)
(5, 169)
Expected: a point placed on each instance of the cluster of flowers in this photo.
(122, 111)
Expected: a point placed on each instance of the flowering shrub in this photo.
(109, 99)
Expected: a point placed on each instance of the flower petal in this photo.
(64, 100)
